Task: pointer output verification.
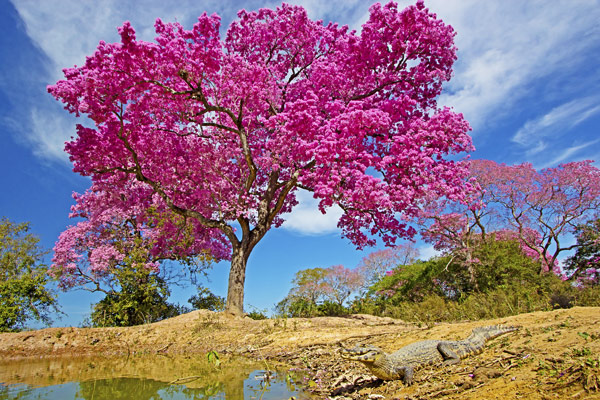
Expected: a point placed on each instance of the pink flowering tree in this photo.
(223, 132)
(551, 202)
(538, 209)
(341, 282)
(381, 262)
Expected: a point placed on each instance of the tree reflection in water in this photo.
(140, 378)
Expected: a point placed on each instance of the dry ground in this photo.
(555, 355)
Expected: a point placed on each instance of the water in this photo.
(143, 378)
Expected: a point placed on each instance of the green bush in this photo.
(206, 300)
(296, 307)
(24, 292)
(257, 314)
(142, 298)
(331, 309)
(441, 289)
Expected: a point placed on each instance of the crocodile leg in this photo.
(407, 374)
(450, 356)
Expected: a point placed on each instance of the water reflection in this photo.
(141, 377)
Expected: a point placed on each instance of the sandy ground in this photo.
(555, 355)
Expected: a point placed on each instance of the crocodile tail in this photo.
(485, 333)
(475, 343)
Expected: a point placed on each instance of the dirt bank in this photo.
(554, 355)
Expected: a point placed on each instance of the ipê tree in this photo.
(223, 132)
(374, 266)
(543, 206)
(538, 209)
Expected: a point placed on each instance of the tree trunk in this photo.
(237, 277)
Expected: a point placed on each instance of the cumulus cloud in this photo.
(308, 220)
(427, 252)
(50, 136)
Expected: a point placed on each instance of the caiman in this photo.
(402, 363)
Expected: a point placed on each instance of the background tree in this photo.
(223, 133)
(551, 202)
(374, 266)
(320, 291)
(341, 282)
(308, 289)
(309, 284)
(584, 265)
(24, 291)
(206, 300)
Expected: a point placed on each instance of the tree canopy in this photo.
(223, 132)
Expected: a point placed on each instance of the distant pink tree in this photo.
(536, 208)
(223, 132)
(374, 266)
(551, 202)
(340, 282)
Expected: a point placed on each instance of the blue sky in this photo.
(527, 78)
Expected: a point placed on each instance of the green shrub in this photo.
(24, 280)
(206, 300)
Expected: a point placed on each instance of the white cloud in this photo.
(427, 252)
(50, 136)
(505, 45)
(568, 153)
(557, 122)
(306, 218)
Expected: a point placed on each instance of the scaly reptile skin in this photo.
(402, 363)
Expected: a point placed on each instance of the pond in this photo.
(144, 378)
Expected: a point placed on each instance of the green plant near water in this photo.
(213, 358)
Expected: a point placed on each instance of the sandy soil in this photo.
(555, 355)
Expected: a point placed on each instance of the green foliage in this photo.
(331, 309)
(24, 294)
(496, 265)
(257, 314)
(585, 263)
(507, 283)
(300, 307)
(142, 298)
(206, 300)
(296, 307)
(213, 358)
